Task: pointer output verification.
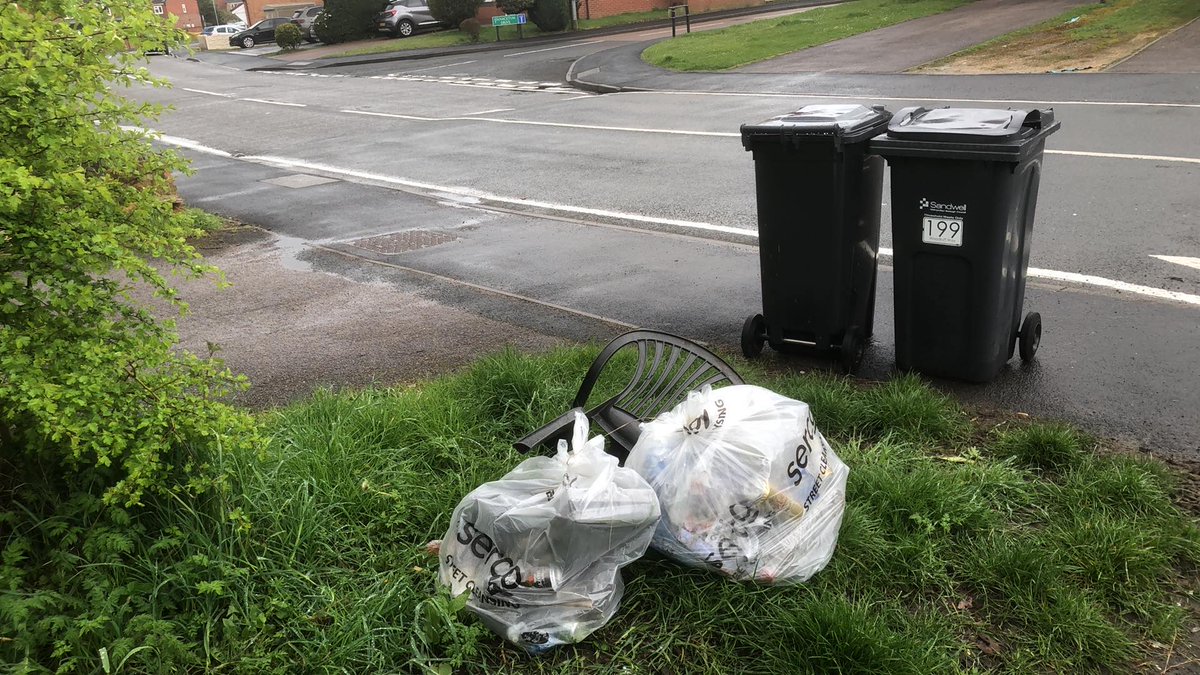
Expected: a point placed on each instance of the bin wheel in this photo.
(1030, 336)
(853, 347)
(754, 334)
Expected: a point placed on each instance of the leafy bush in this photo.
(515, 6)
(454, 12)
(287, 36)
(89, 377)
(345, 20)
(551, 15)
(470, 27)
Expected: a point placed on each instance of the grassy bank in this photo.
(998, 546)
(1086, 38)
(444, 38)
(453, 38)
(752, 42)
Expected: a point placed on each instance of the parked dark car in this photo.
(401, 18)
(304, 18)
(263, 31)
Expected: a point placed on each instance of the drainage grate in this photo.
(402, 242)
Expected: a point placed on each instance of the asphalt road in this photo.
(498, 132)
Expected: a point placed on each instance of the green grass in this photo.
(760, 40)
(454, 38)
(443, 38)
(312, 557)
(203, 220)
(1083, 31)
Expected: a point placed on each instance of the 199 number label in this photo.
(942, 231)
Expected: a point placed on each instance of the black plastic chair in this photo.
(668, 367)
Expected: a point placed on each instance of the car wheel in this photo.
(247, 42)
(405, 28)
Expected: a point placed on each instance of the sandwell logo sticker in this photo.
(930, 205)
(942, 224)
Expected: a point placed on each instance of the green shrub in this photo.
(287, 36)
(454, 12)
(90, 380)
(515, 6)
(470, 27)
(551, 15)
(345, 20)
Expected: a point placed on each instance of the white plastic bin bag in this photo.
(540, 550)
(746, 483)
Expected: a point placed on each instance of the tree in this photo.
(90, 382)
(345, 20)
(551, 15)
(515, 6)
(454, 12)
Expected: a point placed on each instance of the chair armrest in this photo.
(561, 427)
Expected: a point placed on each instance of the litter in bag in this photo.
(540, 550)
(746, 483)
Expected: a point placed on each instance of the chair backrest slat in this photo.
(667, 368)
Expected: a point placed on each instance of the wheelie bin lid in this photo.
(965, 133)
(838, 122)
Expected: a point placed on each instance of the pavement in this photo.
(443, 279)
(1177, 52)
(906, 45)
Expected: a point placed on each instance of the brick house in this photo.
(257, 10)
(186, 13)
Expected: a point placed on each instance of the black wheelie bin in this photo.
(818, 193)
(964, 190)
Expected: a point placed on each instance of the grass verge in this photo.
(445, 38)
(454, 38)
(1091, 37)
(760, 40)
(1015, 548)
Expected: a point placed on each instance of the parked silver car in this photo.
(304, 18)
(402, 18)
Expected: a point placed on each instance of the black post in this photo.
(671, 11)
(687, 18)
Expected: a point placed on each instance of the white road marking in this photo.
(208, 93)
(398, 116)
(727, 134)
(419, 70)
(677, 92)
(1120, 286)
(498, 120)
(550, 49)
(263, 100)
(1089, 280)
(1180, 260)
(289, 163)
(1117, 155)
(484, 112)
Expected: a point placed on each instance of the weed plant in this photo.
(1026, 548)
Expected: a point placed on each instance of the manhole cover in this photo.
(299, 180)
(402, 242)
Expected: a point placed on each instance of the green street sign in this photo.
(508, 20)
